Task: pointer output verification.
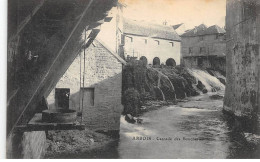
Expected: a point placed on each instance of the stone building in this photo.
(43, 40)
(101, 91)
(204, 47)
(242, 95)
(138, 38)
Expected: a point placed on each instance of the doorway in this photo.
(88, 96)
(62, 97)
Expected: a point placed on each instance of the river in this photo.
(194, 129)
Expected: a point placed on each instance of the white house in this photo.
(138, 38)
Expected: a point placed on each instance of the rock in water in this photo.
(139, 121)
(216, 97)
(129, 118)
(205, 91)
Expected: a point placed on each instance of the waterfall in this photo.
(162, 93)
(171, 86)
(158, 86)
(161, 74)
(185, 94)
(210, 82)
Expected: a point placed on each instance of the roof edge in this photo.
(111, 51)
(177, 40)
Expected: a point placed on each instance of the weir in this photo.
(209, 81)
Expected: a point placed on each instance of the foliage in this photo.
(131, 102)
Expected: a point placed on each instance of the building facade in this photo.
(242, 95)
(204, 47)
(98, 92)
(137, 39)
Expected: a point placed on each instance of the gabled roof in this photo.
(111, 51)
(198, 30)
(215, 29)
(149, 30)
(177, 26)
(204, 30)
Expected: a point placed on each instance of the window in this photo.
(201, 38)
(190, 50)
(172, 44)
(200, 62)
(202, 49)
(145, 41)
(158, 42)
(88, 96)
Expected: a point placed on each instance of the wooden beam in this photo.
(108, 18)
(53, 126)
(94, 32)
(36, 124)
(26, 21)
(97, 23)
(57, 56)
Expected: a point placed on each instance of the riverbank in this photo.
(75, 143)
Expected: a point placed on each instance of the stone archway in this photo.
(156, 61)
(170, 62)
(144, 60)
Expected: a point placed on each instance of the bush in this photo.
(131, 102)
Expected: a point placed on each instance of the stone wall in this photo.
(243, 60)
(213, 55)
(212, 45)
(210, 62)
(27, 145)
(104, 75)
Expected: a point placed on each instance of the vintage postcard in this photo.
(133, 79)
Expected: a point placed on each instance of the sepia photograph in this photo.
(132, 79)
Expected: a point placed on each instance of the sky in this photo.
(190, 12)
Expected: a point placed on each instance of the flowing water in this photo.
(208, 80)
(180, 132)
(176, 133)
(193, 129)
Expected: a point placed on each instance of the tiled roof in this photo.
(204, 30)
(215, 29)
(149, 30)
